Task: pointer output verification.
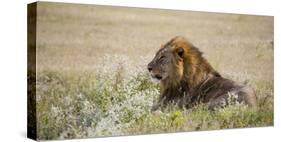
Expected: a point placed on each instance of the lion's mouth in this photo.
(158, 77)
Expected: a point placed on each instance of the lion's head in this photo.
(167, 63)
(178, 60)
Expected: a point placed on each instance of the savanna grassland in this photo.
(92, 79)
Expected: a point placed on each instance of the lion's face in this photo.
(167, 63)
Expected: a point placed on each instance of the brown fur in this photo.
(186, 78)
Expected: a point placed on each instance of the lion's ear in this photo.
(180, 52)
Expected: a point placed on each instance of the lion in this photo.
(187, 79)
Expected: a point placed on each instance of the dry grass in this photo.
(91, 68)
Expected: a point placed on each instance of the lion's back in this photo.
(219, 91)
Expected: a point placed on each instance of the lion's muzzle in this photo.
(153, 73)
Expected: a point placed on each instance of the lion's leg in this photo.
(155, 107)
(247, 95)
(159, 104)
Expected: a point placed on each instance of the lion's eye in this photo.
(162, 57)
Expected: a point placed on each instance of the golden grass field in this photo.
(91, 68)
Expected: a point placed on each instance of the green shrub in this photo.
(100, 104)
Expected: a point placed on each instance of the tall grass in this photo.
(114, 101)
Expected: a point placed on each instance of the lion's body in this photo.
(186, 78)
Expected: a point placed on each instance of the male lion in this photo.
(186, 78)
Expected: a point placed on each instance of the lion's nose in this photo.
(149, 68)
